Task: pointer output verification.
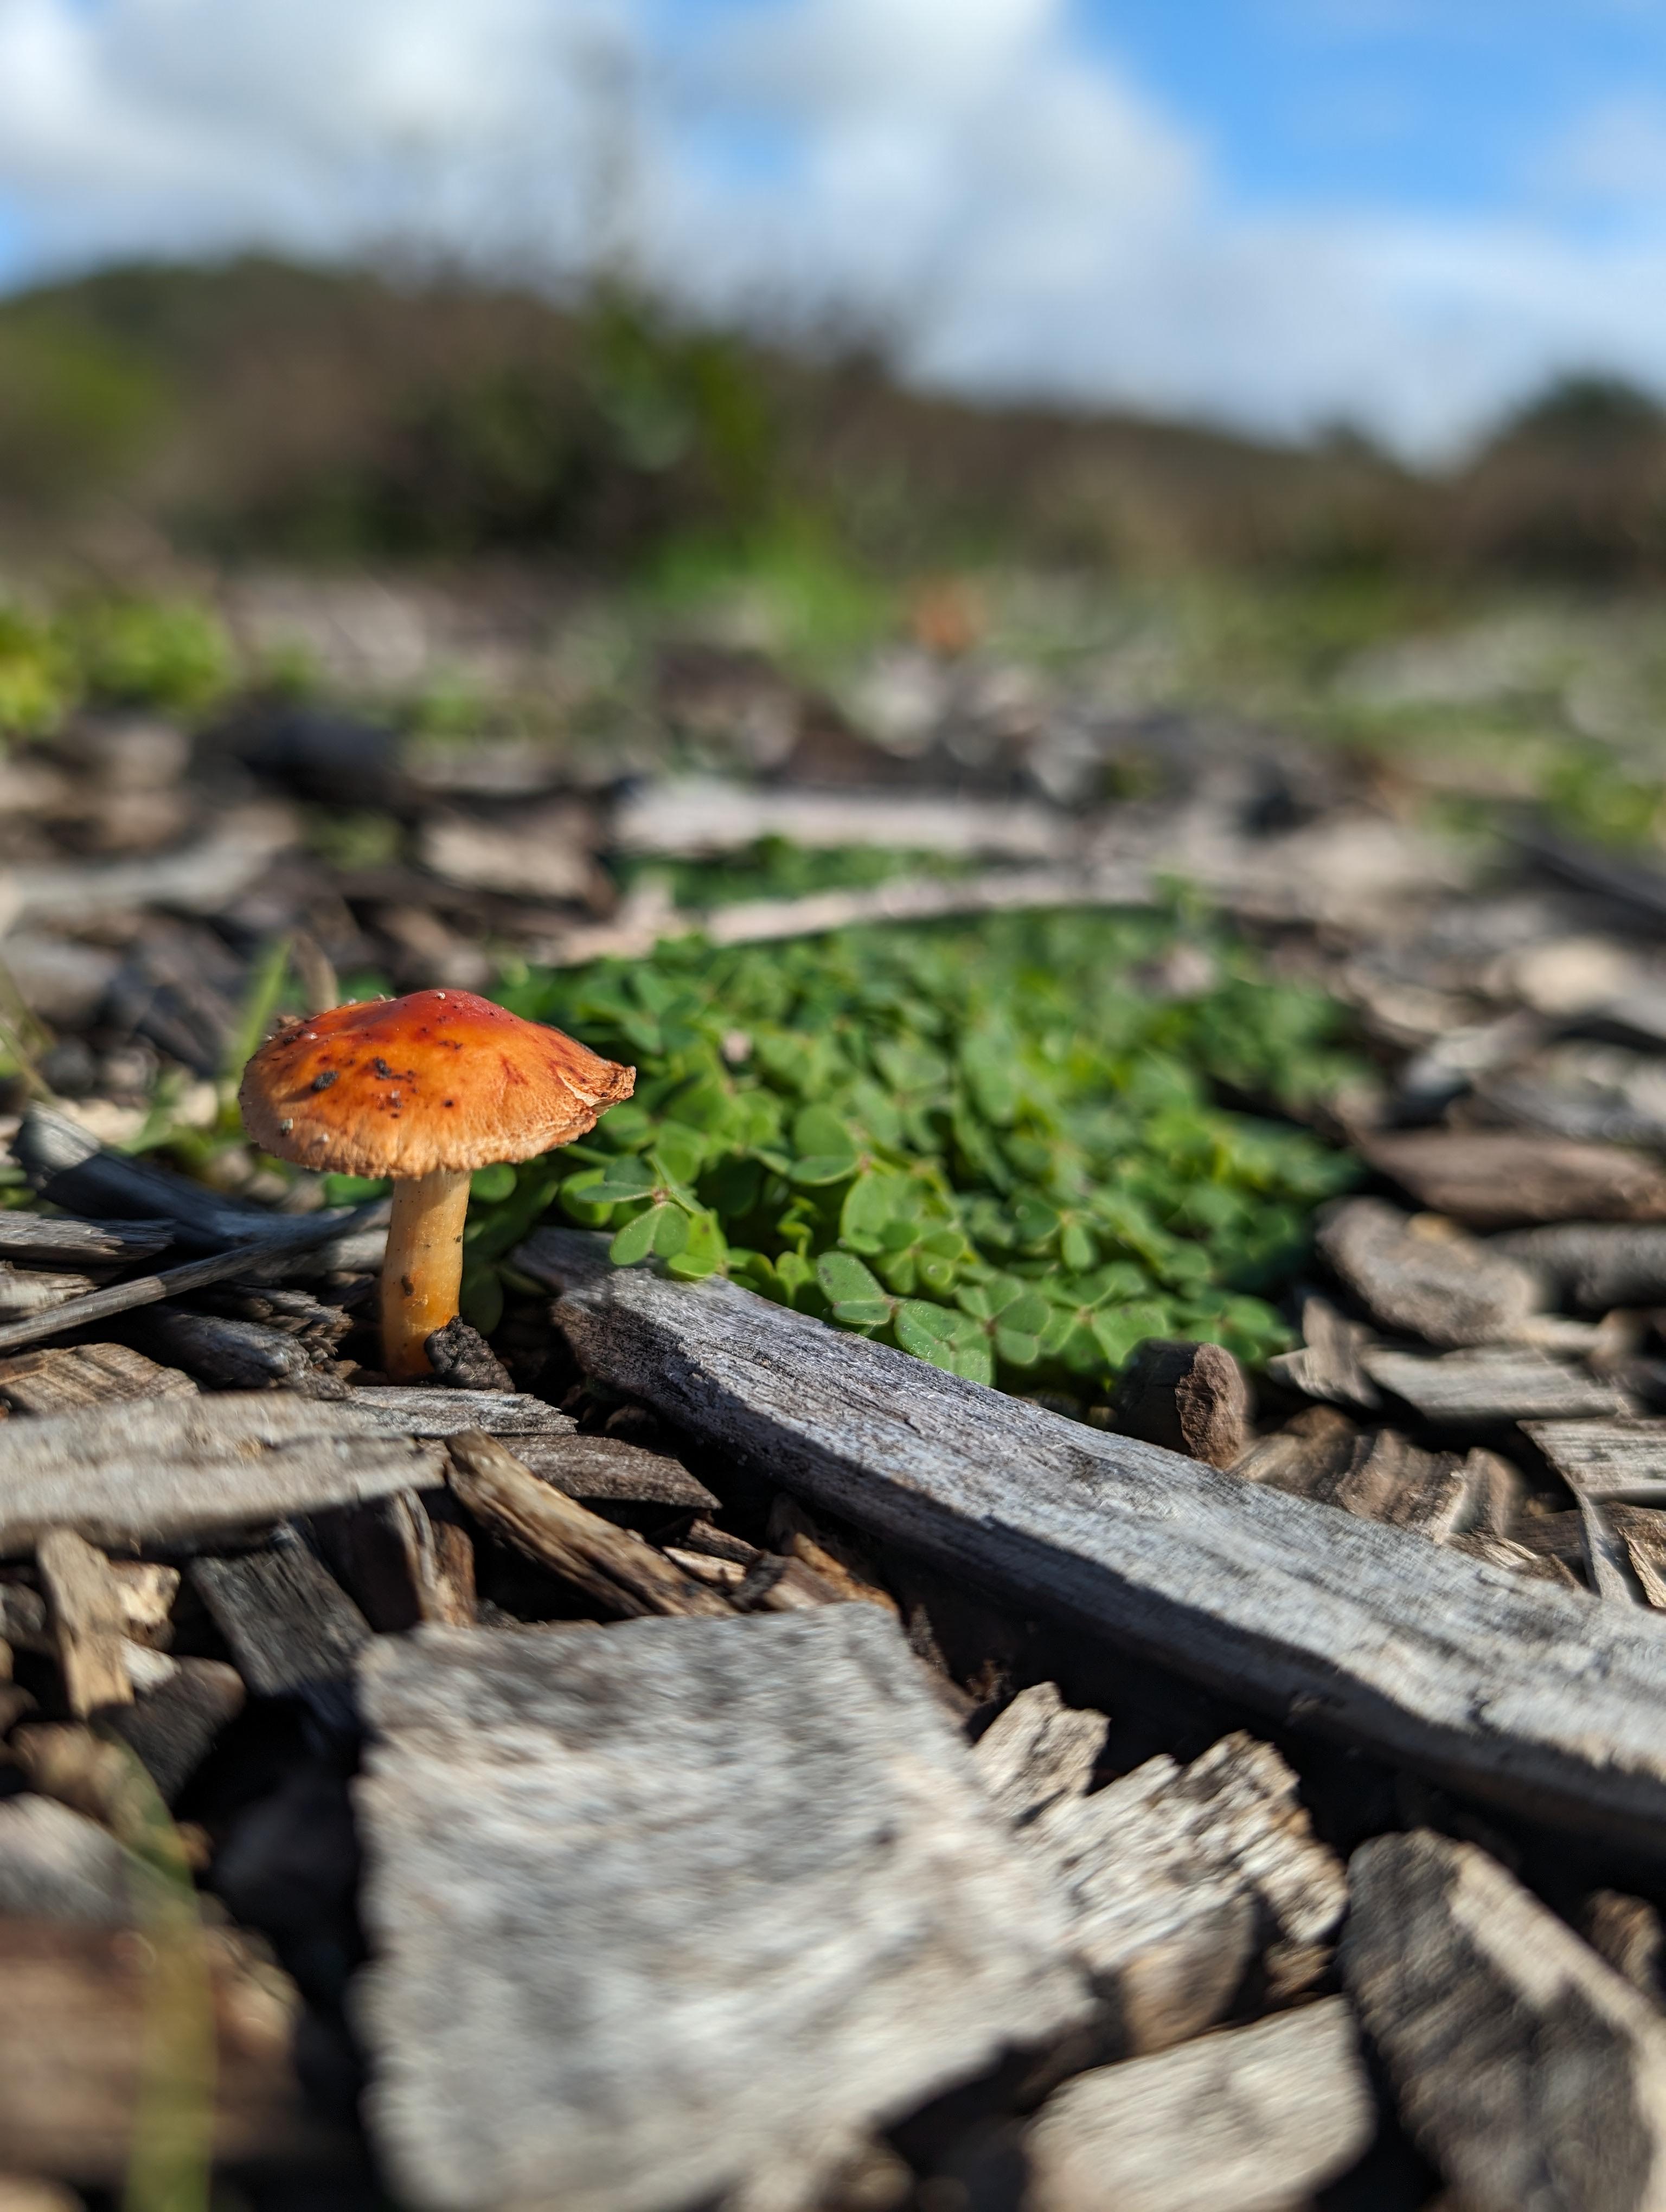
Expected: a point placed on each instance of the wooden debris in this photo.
(1422, 1276)
(161, 1469)
(1378, 1475)
(610, 1467)
(73, 2041)
(87, 1619)
(41, 1240)
(26, 1292)
(1327, 1366)
(172, 1728)
(1527, 2070)
(1616, 1459)
(1494, 1179)
(1496, 1383)
(463, 1360)
(1308, 1454)
(1514, 1690)
(151, 1289)
(1641, 1533)
(1515, 1559)
(787, 1913)
(290, 1624)
(71, 1765)
(612, 1566)
(233, 1355)
(1596, 1265)
(400, 1564)
(1255, 2119)
(1626, 1933)
(72, 1170)
(58, 1865)
(70, 1375)
(1190, 1398)
(419, 1410)
(1175, 1877)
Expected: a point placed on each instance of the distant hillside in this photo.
(259, 409)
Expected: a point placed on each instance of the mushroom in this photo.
(424, 1089)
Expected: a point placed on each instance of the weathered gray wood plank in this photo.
(158, 1468)
(721, 1897)
(1505, 1685)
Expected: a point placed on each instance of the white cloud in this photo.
(966, 172)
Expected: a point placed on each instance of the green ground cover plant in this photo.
(1000, 1145)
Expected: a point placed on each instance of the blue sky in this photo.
(1282, 213)
(1440, 107)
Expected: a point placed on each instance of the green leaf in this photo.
(678, 1153)
(488, 1185)
(948, 1340)
(855, 1296)
(704, 1254)
(671, 1231)
(636, 1240)
(628, 1177)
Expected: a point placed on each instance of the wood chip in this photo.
(609, 1467)
(723, 1897)
(172, 1728)
(233, 1355)
(613, 1565)
(1626, 1933)
(1517, 1690)
(1327, 1366)
(162, 1469)
(84, 1605)
(66, 1376)
(1377, 1474)
(1595, 1265)
(1528, 2071)
(74, 2034)
(1617, 1459)
(1641, 1533)
(1176, 1876)
(1501, 1384)
(1494, 1179)
(419, 1411)
(1421, 1276)
(26, 1292)
(1255, 2119)
(401, 1565)
(1190, 1398)
(290, 1624)
(52, 1242)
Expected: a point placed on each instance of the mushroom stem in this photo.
(423, 1270)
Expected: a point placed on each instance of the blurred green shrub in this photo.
(988, 1144)
(36, 684)
(168, 654)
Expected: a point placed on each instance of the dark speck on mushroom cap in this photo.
(436, 1080)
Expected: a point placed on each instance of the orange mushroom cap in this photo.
(439, 1080)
